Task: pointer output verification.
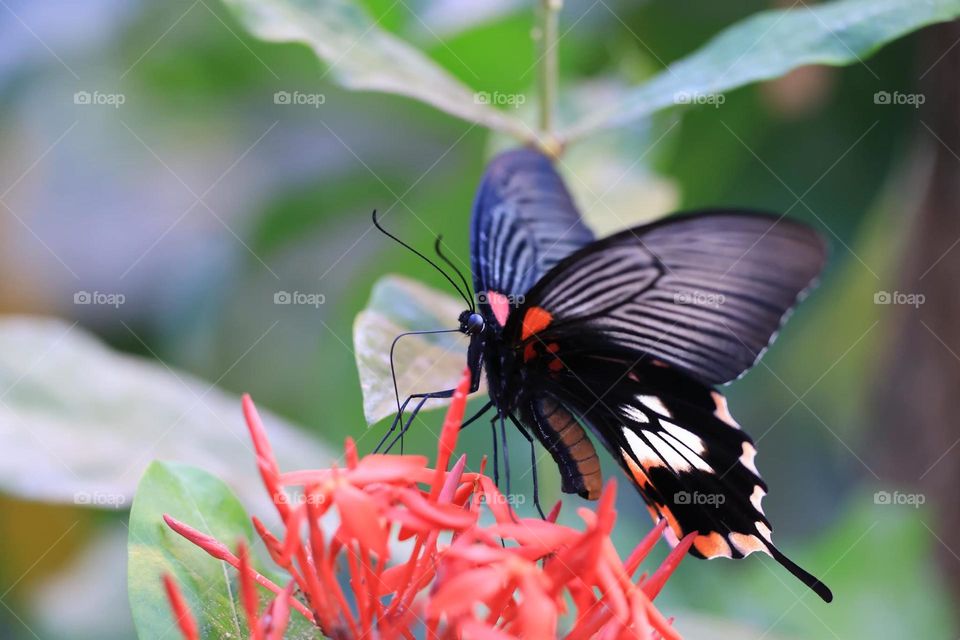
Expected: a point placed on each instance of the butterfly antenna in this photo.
(437, 247)
(433, 264)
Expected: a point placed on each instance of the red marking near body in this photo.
(536, 319)
(500, 305)
(529, 352)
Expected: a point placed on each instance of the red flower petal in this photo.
(451, 429)
(539, 617)
(443, 516)
(360, 519)
(390, 468)
(266, 462)
(270, 541)
(248, 593)
(181, 613)
(208, 543)
(653, 586)
(643, 548)
(461, 592)
(280, 614)
(476, 630)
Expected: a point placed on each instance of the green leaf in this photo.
(611, 176)
(422, 362)
(208, 585)
(86, 421)
(770, 44)
(363, 57)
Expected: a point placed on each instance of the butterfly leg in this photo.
(496, 450)
(393, 426)
(406, 427)
(447, 393)
(533, 464)
(506, 453)
(466, 423)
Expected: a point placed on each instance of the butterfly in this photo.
(623, 341)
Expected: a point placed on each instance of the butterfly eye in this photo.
(474, 324)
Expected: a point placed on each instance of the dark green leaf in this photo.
(769, 45)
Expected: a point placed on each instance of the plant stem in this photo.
(549, 22)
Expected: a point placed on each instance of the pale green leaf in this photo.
(208, 585)
(85, 421)
(423, 363)
(363, 57)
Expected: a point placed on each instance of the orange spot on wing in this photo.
(639, 476)
(672, 521)
(535, 320)
(712, 545)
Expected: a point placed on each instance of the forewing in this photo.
(524, 223)
(705, 293)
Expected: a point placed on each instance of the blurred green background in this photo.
(200, 197)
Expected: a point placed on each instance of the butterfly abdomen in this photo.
(568, 443)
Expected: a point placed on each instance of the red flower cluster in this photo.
(512, 578)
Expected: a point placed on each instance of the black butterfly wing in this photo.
(524, 222)
(628, 334)
(676, 440)
(705, 293)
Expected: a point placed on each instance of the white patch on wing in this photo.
(763, 529)
(722, 411)
(632, 413)
(746, 544)
(692, 458)
(673, 458)
(756, 497)
(671, 537)
(692, 442)
(647, 456)
(654, 404)
(746, 458)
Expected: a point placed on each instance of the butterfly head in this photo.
(471, 323)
